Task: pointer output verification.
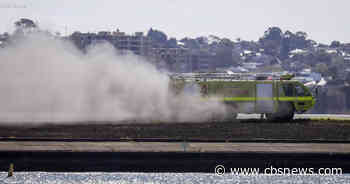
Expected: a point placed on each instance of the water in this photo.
(162, 178)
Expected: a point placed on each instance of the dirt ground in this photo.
(243, 129)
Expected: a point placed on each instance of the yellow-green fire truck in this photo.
(276, 97)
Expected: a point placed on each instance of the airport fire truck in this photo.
(275, 96)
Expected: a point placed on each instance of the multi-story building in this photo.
(202, 61)
(183, 59)
(172, 59)
(137, 43)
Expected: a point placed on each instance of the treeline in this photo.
(293, 51)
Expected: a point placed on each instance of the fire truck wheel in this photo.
(285, 113)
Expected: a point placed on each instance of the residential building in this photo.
(137, 43)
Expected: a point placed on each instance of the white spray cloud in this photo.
(43, 79)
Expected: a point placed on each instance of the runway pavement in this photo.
(303, 116)
(181, 156)
(194, 147)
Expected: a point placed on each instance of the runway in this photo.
(303, 116)
(178, 147)
(194, 147)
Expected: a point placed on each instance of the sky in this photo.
(323, 20)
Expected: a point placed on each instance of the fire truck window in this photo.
(280, 90)
(300, 91)
(288, 89)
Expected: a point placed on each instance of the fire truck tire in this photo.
(285, 113)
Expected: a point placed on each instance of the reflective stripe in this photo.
(299, 99)
(238, 99)
(247, 99)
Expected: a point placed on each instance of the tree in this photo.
(24, 26)
(214, 39)
(271, 41)
(24, 23)
(202, 40)
(273, 33)
(335, 44)
(286, 44)
(291, 41)
(301, 35)
(225, 42)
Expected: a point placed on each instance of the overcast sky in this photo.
(323, 20)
